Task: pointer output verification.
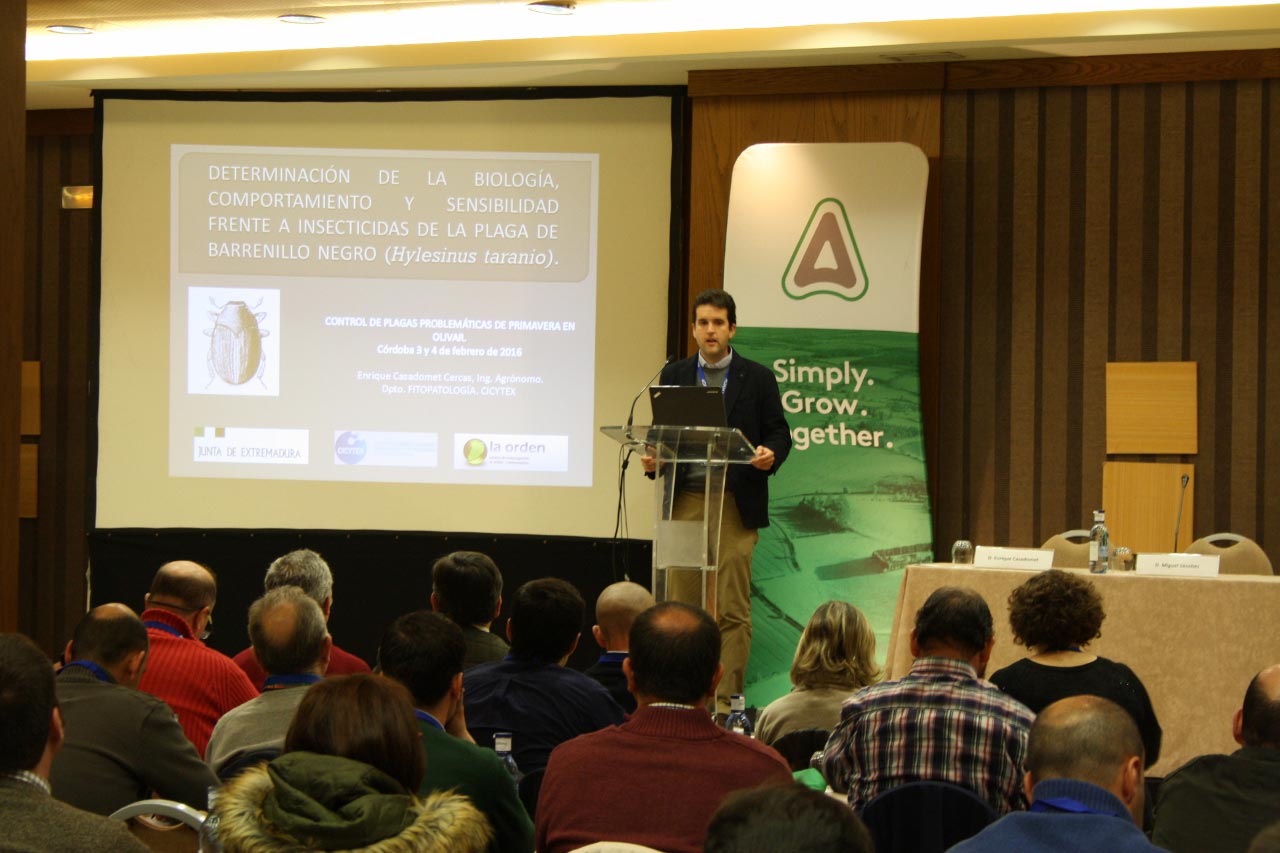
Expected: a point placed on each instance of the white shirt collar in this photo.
(719, 365)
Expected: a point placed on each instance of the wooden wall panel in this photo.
(13, 28)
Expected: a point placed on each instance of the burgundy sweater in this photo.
(655, 780)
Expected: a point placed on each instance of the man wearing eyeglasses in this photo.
(198, 683)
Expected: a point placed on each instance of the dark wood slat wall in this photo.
(1107, 222)
(13, 28)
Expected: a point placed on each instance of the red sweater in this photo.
(655, 780)
(198, 683)
(340, 663)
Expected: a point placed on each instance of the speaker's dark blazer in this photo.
(752, 404)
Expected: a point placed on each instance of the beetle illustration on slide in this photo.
(235, 342)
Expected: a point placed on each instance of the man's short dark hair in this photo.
(785, 817)
(304, 569)
(423, 651)
(107, 635)
(190, 590)
(1260, 718)
(467, 586)
(675, 649)
(956, 616)
(1086, 738)
(26, 703)
(546, 618)
(297, 651)
(716, 298)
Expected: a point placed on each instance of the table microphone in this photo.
(631, 415)
(1178, 524)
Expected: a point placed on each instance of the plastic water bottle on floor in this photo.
(738, 721)
(502, 746)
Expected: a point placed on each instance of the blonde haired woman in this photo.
(836, 656)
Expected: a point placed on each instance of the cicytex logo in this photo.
(826, 260)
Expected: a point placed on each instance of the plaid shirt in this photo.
(939, 723)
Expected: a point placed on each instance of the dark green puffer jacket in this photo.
(304, 801)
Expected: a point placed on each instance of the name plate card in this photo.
(1179, 565)
(987, 557)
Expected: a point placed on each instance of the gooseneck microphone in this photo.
(1177, 525)
(631, 415)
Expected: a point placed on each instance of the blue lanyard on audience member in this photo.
(168, 629)
(612, 657)
(98, 672)
(427, 718)
(277, 682)
(702, 378)
(1067, 804)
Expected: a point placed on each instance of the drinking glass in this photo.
(962, 552)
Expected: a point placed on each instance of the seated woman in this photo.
(352, 758)
(1056, 614)
(835, 657)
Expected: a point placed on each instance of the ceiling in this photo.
(412, 44)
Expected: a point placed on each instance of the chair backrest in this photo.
(1237, 555)
(1070, 549)
(528, 787)
(799, 746)
(164, 826)
(925, 817)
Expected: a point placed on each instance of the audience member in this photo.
(836, 655)
(1220, 802)
(1267, 841)
(1084, 781)
(31, 820)
(466, 586)
(346, 779)
(308, 571)
(291, 645)
(121, 745)
(787, 817)
(424, 652)
(1056, 615)
(197, 682)
(616, 608)
(531, 693)
(940, 722)
(657, 779)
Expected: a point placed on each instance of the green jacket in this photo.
(304, 801)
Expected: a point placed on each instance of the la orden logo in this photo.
(826, 260)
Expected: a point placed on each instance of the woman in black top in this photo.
(1056, 615)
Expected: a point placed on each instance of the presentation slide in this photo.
(414, 316)
(393, 315)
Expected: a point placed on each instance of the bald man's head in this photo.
(1082, 737)
(107, 634)
(616, 610)
(184, 584)
(675, 654)
(288, 633)
(1259, 718)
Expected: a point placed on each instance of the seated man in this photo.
(307, 570)
(121, 745)
(197, 682)
(466, 586)
(531, 693)
(30, 737)
(657, 779)
(424, 652)
(1220, 802)
(940, 722)
(291, 644)
(616, 609)
(786, 817)
(1084, 781)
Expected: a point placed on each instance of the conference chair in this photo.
(1070, 549)
(925, 817)
(1237, 555)
(799, 746)
(164, 826)
(528, 788)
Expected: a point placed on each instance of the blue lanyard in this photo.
(278, 682)
(1067, 804)
(98, 672)
(160, 626)
(612, 657)
(427, 718)
(702, 378)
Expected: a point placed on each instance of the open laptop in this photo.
(687, 405)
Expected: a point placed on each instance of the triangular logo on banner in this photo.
(826, 260)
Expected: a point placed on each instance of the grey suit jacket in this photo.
(33, 822)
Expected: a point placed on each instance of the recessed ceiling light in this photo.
(300, 19)
(552, 7)
(70, 30)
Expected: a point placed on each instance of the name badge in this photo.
(1179, 565)
(987, 557)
